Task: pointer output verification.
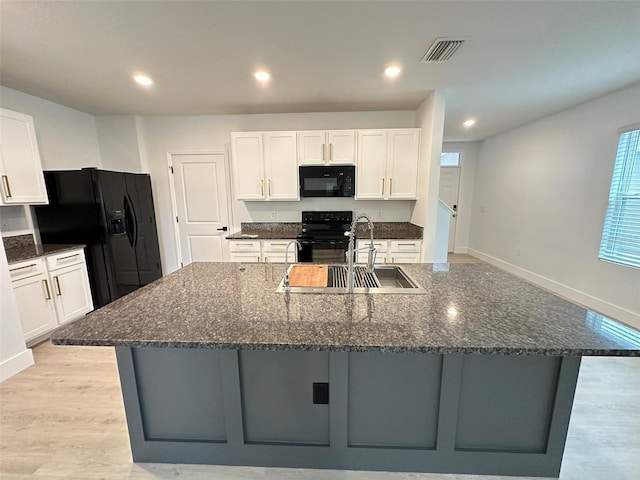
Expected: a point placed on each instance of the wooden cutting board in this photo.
(309, 276)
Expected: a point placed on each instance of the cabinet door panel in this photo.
(372, 160)
(311, 148)
(281, 165)
(35, 305)
(20, 166)
(342, 147)
(248, 168)
(404, 151)
(277, 397)
(71, 292)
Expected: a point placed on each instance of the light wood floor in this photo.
(462, 258)
(63, 418)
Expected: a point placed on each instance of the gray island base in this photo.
(482, 414)
(476, 376)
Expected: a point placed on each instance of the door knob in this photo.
(223, 229)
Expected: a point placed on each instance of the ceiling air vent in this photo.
(441, 50)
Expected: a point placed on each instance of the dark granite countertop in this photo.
(21, 248)
(382, 230)
(468, 308)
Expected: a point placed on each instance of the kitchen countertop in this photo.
(468, 308)
(273, 231)
(20, 248)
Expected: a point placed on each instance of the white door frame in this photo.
(174, 205)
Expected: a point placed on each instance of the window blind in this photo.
(621, 233)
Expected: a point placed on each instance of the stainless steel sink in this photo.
(383, 279)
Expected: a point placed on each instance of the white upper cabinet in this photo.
(265, 165)
(320, 147)
(281, 166)
(402, 169)
(371, 164)
(388, 164)
(20, 166)
(248, 165)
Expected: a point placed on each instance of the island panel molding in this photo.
(375, 396)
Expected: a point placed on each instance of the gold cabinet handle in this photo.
(330, 152)
(383, 186)
(323, 152)
(262, 187)
(31, 265)
(47, 292)
(7, 187)
(390, 185)
(58, 289)
(269, 186)
(258, 258)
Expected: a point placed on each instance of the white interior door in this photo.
(449, 187)
(201, 199)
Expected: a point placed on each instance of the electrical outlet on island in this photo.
(380, 215)
(273, 215)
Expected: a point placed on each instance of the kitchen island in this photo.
(475, 376)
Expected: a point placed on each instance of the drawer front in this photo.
(245, 257)
(26, 269)
(72, 257)
(405, 258)
(380, 245)
(405, 246)
(363, 257)
(244, 246)
(279, 257)
(277, 246)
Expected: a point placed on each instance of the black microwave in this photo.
(327, 181)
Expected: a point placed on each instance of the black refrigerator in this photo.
(112, 214)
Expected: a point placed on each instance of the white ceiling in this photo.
(521, 61)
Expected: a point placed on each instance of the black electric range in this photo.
(323, 238)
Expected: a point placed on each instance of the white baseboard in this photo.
(15, 364)
(589, 301)
(461, 250)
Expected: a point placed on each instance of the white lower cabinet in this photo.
(267, 251)
(71, 292)
(49, 295)
(35, 303)
(391, 251)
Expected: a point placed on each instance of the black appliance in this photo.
(331, 181)
(112, 214)
(323, 237)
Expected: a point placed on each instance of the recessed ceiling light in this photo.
(469, 122)
(143, 80)
(262, 76)
(392, 71)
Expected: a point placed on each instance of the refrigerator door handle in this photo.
(130, 220)
(135, 221)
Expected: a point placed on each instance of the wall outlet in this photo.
(482, 209)
(273, 215)
(518, 251)
(380, 215)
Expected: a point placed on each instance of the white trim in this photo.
(629, 128)
(589, 301)
(461, 250)
(16, 364)
(172, 189)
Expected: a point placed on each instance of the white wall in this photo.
(540, 197)
(118, 142)
(67, 138)
(468, 158)
(212, 133)
(14, 355)
(430, 118)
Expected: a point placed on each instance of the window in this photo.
(450, 159)
(621, 234)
